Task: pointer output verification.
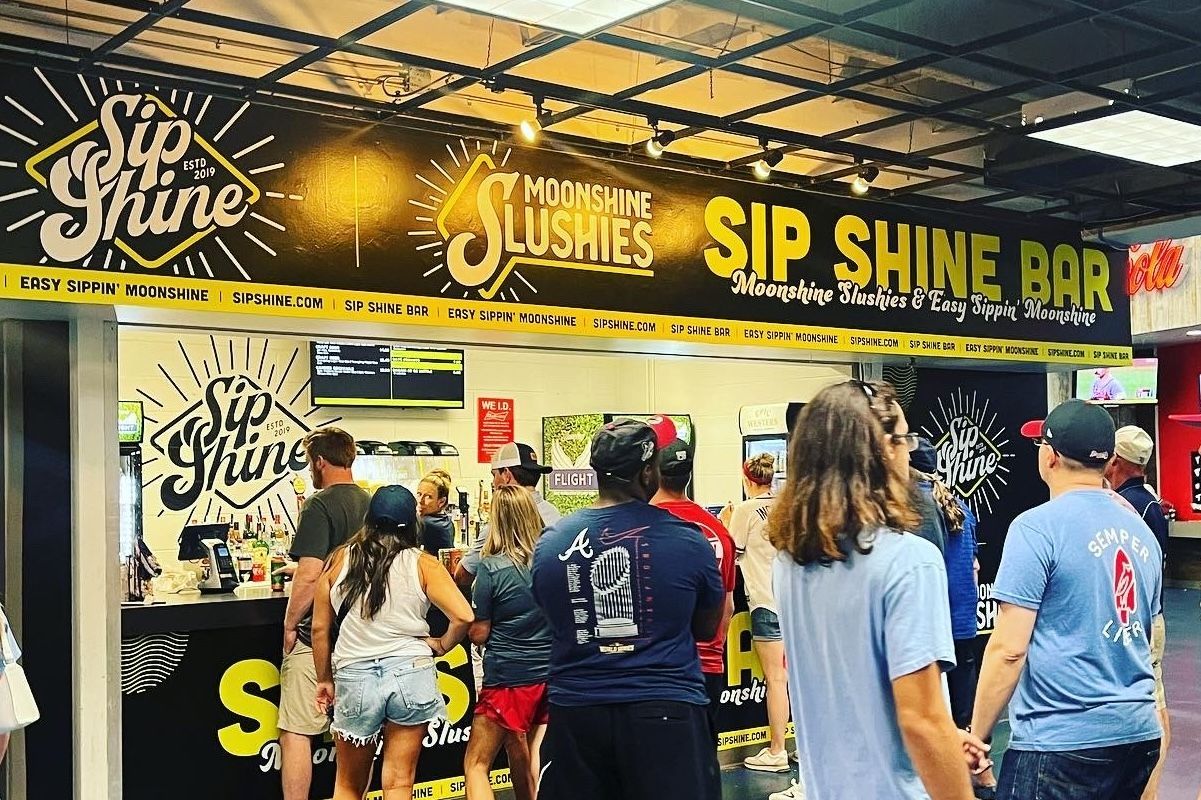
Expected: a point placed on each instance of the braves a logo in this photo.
(1124, 596)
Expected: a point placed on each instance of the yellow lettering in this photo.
(790, 240)
(458, 698)
(950, 265)
(889, 262)
(645, 255)
(1036, 272)
(848, 232)
(922, 235)
(1067, 275)
(759, 239)
(730, 254)
(237, 739)
(1096, 279)
(984, 267)
(740, 655)
(462, 270)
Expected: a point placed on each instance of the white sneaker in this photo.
(767, 761)
(794, 792)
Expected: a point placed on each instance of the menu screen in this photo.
(385, 375)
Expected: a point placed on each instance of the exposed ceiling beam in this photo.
(153, 15)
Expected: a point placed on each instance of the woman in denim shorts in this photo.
(512, 709)
(379, 675)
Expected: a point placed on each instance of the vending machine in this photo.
(765, 429)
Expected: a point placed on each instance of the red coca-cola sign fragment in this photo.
(1155, 267)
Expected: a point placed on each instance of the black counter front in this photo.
(200, 686)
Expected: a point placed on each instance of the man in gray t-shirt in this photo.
(327, 520)
(513, 464)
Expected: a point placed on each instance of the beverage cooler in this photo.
(130, 429)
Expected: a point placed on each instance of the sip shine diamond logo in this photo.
(972, 448)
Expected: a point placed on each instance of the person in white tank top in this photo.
(373, 649)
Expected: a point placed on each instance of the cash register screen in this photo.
(190, 538)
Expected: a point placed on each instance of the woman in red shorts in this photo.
(512, 709)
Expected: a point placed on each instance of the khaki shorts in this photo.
(298, 694)
(1159, 635)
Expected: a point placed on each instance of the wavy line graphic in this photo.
(148, 661)
(903, 377)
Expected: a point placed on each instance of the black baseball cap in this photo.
(1081, 431)
(925, 457)
(392, 505)
(624, 446)
(676, 458)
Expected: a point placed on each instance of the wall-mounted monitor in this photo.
(1137, 383)
(131, 424)
(385, 375)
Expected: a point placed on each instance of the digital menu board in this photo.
(385, 375)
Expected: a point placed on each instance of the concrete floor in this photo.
(1182, 676)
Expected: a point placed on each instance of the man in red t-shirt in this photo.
(675, 464)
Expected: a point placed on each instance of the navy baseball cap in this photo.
(624, 446)
(676, 458)
(392, 505)
(1081, 431)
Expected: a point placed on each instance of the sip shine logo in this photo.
(229, 439)
(120, 175)
(972, 449)
(484, 221)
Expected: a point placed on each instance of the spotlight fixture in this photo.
(770, 160)
(863, 180)
(659, 142)
(531, 128)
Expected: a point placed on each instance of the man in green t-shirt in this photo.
(328, 519)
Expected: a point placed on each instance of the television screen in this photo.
(130, 422)
(1138, 383)
(385, 375)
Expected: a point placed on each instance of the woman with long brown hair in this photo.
(379, 676)
(512, 707)
(863, 607)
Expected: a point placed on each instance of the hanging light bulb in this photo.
(657, 144)
(863, 180)
(530, 129)
(770, 160)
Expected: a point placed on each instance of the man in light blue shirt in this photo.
(1078, 586)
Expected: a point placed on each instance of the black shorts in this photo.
(715, 684)
(654, 750)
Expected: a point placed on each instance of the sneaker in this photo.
(767, 761)
(794, 792)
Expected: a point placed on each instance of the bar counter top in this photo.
(193, 611)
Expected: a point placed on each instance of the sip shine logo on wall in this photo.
(972, 448)
(484, 222)
(119, 175)
(226, 429)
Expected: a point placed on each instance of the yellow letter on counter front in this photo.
(1036, 272)
(1096, 280)
(740, 655)
(720, 214)
(848, 232)
(458, 699)
(236, 739)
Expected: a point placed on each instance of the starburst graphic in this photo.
(224, 427)
(36, 134)
(972, 449)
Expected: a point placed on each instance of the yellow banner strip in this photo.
(22, 282)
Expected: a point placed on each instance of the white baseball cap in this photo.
(1134, 445)
(517, 454)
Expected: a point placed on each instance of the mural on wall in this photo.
(225, 426)
(974, 420)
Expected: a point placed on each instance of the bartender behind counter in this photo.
(328, 519)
